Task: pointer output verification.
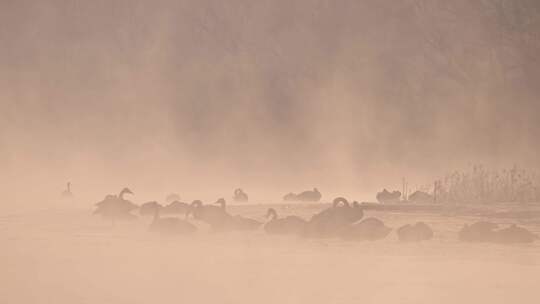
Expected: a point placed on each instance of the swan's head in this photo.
(271, 213)
(221, 202)
(338, 200)
(315, 190)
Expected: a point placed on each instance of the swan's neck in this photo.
(272, 214)
(121, 195)
(341, 200)
(68, 187)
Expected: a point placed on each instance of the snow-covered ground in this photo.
(67, 256)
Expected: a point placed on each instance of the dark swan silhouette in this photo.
(288, 225)
(387, 197)
(306, 196)
(514, 235)
(486, 232)
(415, 233)
(67, 193)
(478, 232)
(176, 207)
(215, 216)
(170, 225)
(334, 220)
(239, 222)
(116, 207)
(240, 195)
(370, 229)
(149, 208)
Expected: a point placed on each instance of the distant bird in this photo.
(370, 229)
(306, 196)
(514, 234)
(238, 222)
(170, 225)
(287, 225)
(478, 232)
(176, 207)
(67, 193)
(215, 216)
(415, 233)
(421, 197)
(240, 195)
(149, 208)
(344, 212)
(115, 207)
(387, 197)
(334, 220)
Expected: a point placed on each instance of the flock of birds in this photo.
(342, 219)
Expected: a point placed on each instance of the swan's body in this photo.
(514, 234)
(486, 232)
(478, 232)
(387, 197)
(334, 220)
(116, 207)
(215, 216)
(170, 225)
(243, 223)
(176, 207)
(370, 229)
(238, 222)
(306, 196)
(149, 208)
(287, 225)
(415, 233)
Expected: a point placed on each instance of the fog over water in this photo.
(202, 97)
(270, 95)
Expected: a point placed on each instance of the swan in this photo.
(238, 222)
(176, 207)
(215, 216)
(309, 196)
(240, 195)
(344, 212)
(149, 208)
(514, 234)
(287, 225)
(306, 196)
(387, 197)
(67, 193)
(370, 229)
(170, 225)
(334, 220)
(478, 232)
(415, 233)
(116, 206)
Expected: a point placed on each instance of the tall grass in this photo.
(481, 185)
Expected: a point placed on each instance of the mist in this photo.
(200, 98)
(272, 96)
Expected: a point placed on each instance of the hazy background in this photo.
(200, 97)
